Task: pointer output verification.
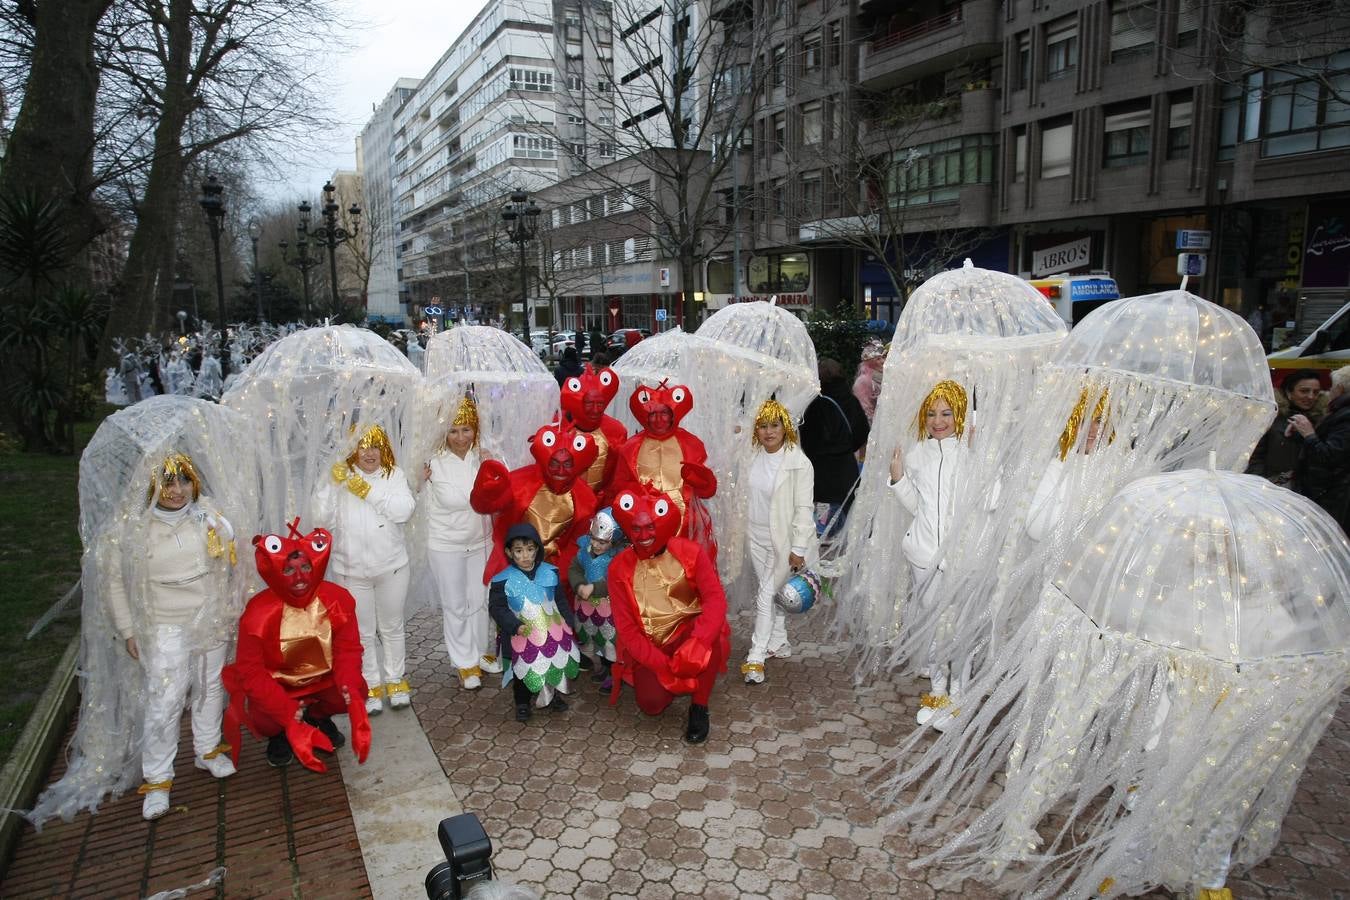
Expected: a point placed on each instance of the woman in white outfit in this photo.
(457, 547)
(365, 506)
(925, 478)
(781, 529)
(189, 549)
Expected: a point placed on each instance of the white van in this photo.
(1074, 296)
(1325, 349)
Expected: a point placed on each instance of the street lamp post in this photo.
(214, 207)
(254, 232)
(331, 233)
(520, 222)
(303, 260)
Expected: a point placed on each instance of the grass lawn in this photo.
(39, 561)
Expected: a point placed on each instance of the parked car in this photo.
(539, 342)
(624, 338)
(1325, 349)
(562, 340)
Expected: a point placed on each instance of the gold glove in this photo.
(340, 472)
(358, 485)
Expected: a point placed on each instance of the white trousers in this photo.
(171, 671)
(770, 634)
(379, 617)
(459, 582)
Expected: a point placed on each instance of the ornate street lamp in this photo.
(331, 233)
(254, 232)
(303, 260)
(214, 207)
(520, 222)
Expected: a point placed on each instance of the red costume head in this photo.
(585, 397)
(648, 518)
(661, 408)
(293, 566)
(563, 454)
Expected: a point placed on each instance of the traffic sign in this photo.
(660, 315)
(1191, 264)
(1193, 240)
(431, 310)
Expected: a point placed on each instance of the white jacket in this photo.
(452, 525)
(928, 490)
(792, 523)
(367, 534)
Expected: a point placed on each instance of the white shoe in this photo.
(374, 706)
(490, 665)
(400, 694)
(156, 804)
(753, 672)
(930, 705)
(471, 683)
(219, 765)
(783, 652)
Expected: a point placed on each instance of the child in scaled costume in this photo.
(539, 630)
(925, 478)
(298, 659)
(587, 575)
(670, 611)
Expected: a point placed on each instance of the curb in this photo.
(23, 775)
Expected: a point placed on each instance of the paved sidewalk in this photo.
(610, 803)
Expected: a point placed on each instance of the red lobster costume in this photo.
(550, 495)
(298, 649)
(670, 611)
(670, 459)
(584, 399)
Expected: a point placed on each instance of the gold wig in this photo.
(374, 436)
(773, 411)
(955, 395)
(175, 465)
(467, 414)
(1069, 436)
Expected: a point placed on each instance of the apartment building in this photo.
(375, 163)
(1036, 137)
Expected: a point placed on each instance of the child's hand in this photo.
(426, 471)
(584, 591)
(795, 562)
(897, 464)
(523, 630)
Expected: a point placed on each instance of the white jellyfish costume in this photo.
(118, 491)
(1140, 386)
(309, 398)
(740, 356)
(989, 332)
(115, 388)
(1154, 715)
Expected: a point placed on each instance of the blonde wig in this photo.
(955, 395)
(773, 411)
(375, 436)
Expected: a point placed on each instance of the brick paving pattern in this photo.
(278, 833)
(613, 804)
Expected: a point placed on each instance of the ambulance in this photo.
(1325, 349)
(1074, 296)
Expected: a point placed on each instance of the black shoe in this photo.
(697, 730)
(601, 671)
(329, 730)
(523, 712)
(585, 664)
(557, 704)
(279, 751)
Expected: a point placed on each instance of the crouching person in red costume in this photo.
(670, 611)
(298, 660)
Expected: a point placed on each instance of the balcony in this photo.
(973, 111)
(903, 49)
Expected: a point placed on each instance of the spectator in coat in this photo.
(1323, 473)
(1277, 453)
(833, 431)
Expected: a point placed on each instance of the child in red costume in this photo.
(670, 459)
(584, 399)
(550, 495)
(298, 660)
(670, 611)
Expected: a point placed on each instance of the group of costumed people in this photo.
(1137, 644)
(597, 554)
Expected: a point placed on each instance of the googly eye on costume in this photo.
(578, 443)
(573, 384)
(606, 378)
(272, 543)
(661, 507)
(626, 502)
(548, 438)
(678, 395)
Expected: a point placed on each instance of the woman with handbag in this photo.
(781, 533)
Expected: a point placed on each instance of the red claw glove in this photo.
(699, 478)
(691, 659)
(492, 488)
(673, 682)
(304, 740)
(360, 722)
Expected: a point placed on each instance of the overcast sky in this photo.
(393, 39)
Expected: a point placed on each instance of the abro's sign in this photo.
(1062, 258)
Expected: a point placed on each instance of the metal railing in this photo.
(927, 26)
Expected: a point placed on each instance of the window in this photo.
(574, 82)
(1188, 23)
(1023, 72)
(835, 47)
(1133, 26)
(1179, 118)
(1056, 147)
(605, 120)
(811, 59)
(812, 190)
(1020, 153)
(645, 20)
(530, 147)
(530, 80)
(577, 150)
(1230, 111)
(605, 150)
(1305, 114)
(936, 172)
(642, 116)
(575, 121)
(778, 66)
(779, 132)
(812, 123)
(604, 86)
(640, 71)
(1126, 138)
(779, 273)
(779, 194)
(1061, 47)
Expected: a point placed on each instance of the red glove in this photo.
(492, 488)
(699, 478)
(304, 740)
(691, 659)
(360, 723)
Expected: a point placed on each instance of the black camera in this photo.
(468, 858)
